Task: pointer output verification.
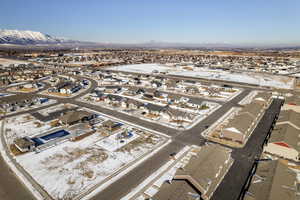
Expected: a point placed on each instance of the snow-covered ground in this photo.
(243, 77)
(249, 78)
(6, 62)
(111, 143)
(24, 125)
(75, 167)
(143, 68)
(72, 167)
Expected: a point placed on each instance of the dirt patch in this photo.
(89, 156)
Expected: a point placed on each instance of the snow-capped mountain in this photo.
(28, 38)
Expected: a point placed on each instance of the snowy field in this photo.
(143, 68)
(244, 77)
(24, 125)
(6, 62)
(74, 168)
(112, 144)
(250, 78)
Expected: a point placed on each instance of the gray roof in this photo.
(154, 107)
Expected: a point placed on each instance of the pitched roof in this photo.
(263, 95)
(252, 108)
(240, 122)
(289, 116)
(273, 181)
(287, 134)
(23, 142)
(177, 190)
(74, 116)
(208, 166)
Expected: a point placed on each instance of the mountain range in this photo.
(17, 37)
(34, 38)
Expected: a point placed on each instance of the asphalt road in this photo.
(132, 179)
(10, 187)
(244, 157)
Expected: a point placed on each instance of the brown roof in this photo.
(264, 95)
(241, 122)
(108, 123)
(273, 181)
(253, 108)
(177, 190)
(208, 167)
(286, 133)
(23, 142)
(74, 116)
(289, 116)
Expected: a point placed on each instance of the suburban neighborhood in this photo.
(156, 131)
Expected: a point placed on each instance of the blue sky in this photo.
(135, 21)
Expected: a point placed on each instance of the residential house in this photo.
(77, 116)
(24, 144)
(289, 117)
(284, 142)
(111, 125)
(273, 180)
(240, 127)
(191, 90)
(200, 177)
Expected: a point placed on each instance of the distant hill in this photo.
(17, 37)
